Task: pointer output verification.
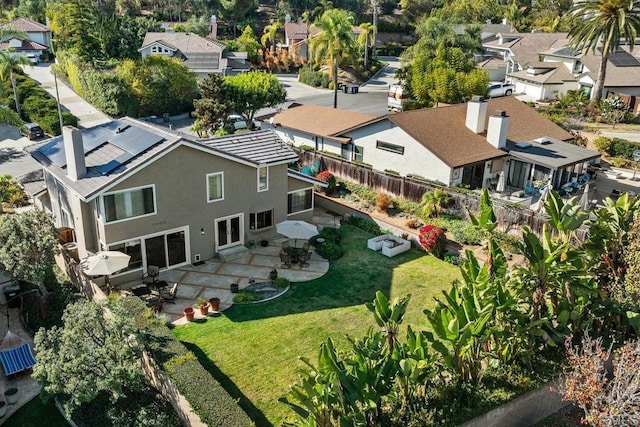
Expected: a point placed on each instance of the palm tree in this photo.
(11, 33)
(432, 203)
(366, 37)
(334, 43)
(603, 24)
(270, 34)
(7, 64)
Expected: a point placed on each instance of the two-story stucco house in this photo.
(200, 55)
(166, 200)
(37, 42)
(469, 144)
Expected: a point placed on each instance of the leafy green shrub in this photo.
(247, 297)
(330, 250)
(406, 206)
(433, 240)
(364, 224)
(365, 193)
(508, 242)
(623, 148)
(207, 397)
(466, 233)
(108, 93)
(329, 234)
(602, 144)
(314, 78)
(10, 190)
(452, 258)
(619, 162)
(281, 282)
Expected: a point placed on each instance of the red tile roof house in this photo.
(296, 34)
(167, 200)
(466, 144)
(38, 39)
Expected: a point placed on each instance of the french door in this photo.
(229, 231)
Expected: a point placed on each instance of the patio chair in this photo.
(171, 295)
(304, 259)
(151, 276)
(286, 260)
(306, 246)
(286, 245)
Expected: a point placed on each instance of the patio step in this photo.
(233, 253)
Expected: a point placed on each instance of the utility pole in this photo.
(55, 79)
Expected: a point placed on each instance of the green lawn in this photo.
(253, 349)
(37, 413)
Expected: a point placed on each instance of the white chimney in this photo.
(497, 129)
(213, 19)
(287, 18)
(476, 114)
(74, 152)
(505, 21)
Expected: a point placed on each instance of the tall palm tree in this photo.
(270, 35)
(603, 24)
(334, 43)
(366, 37)
(7, 64)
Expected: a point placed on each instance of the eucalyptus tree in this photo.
(604, 25)
(334, 43)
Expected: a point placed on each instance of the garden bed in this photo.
(259, 292)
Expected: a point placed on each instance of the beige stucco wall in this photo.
(181, 198)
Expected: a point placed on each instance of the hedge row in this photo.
(313, 78)
(207, 397)
(616, 147)
(37, 105)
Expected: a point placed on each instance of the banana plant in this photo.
(460, 323)
(565, 218)
(487, 221)
(415, 366)
(388, 315)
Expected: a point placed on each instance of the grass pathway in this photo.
(253, 349)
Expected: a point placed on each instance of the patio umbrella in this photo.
(502, 183)
(584, 200)
(296, 229)
(537, 206)
(104, 263)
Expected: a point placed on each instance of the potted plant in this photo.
(251, 244)
(11, 395)
(203, 305)
(234, 288)
(189, 313)
(3, 408)
(214, 303)
(273, 275)
(264, 242)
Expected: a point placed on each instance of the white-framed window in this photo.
(300, 201)
(154, 49)
(133, 248)
(387, 146)
(215, 187)
(260, 220)
(263, 178)
(358, 153)
(128, 204)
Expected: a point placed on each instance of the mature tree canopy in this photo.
(248, 42)
(28, 243)
(253, 91)
(94, 351)
(161, 84)
(214, 105)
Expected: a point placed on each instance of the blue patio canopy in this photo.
(15, 354)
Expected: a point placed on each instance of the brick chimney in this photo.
(497, 129)
(213, 26)
(74, 152)
(476, 114)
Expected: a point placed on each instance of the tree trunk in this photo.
(15, 92)
(335, 83)
(366, 52)
(602, 72)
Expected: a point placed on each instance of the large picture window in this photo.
(261, 220)
(387, 146)
(132, 248)
(215, 187)
(263, 178)
(128, 204)
(299, 201)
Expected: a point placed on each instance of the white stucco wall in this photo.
(415, 160)
(40, 37)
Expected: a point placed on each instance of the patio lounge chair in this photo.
(286, 260)
(151, 276)
(304, 259)
(171, 295)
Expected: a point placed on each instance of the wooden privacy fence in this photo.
(510, 217)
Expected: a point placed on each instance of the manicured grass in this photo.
(253, 349)
(37, 413)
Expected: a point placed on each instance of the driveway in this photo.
(13, 159)
(86, 113)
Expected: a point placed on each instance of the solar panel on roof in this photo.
(135, 140)
(623, 59)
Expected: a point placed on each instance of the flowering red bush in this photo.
(326, 176)
(432, 238)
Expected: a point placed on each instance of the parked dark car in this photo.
(32, 130)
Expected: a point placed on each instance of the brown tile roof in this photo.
(443, 132)
(27, 25)
(185, 42)
(295, 30)
(26, 45)
(526, 47)
(322, 121)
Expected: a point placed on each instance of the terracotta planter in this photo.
(189, 313)
(204, 309)
(215, 304)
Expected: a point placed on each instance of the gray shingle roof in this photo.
(553, 154)
(263, 147)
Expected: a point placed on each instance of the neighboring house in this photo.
(36, 32)
(455, 145)
(167, 200)
(23, 47)
(543, 66)
(200, 55)
(296, 35)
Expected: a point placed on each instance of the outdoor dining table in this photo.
(146, 294)
(296, 254)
